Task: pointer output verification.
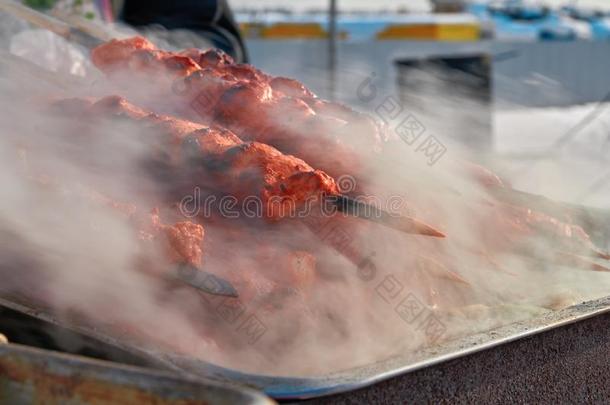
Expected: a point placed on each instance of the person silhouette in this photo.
(187, 23)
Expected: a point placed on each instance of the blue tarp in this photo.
(514, 20)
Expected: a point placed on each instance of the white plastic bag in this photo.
(51, 52)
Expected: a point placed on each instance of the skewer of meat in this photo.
(230, 95)
(284, 183)
(275, 110)
(162, 59)
(236, 167)
(222, 155)
(508, 228)
(180, 243)
(216, 158)
(236, 93)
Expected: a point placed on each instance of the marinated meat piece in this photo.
(201, 92)
(180, 242)
(509, 228)
(562, 236)
(213, 58)
(246, 73)
(117, 106)
(154, 62)
(139, 54)
(239, 103)
(231, 95)
(210, 143)
(164, 133)
(291, 126)
(185, 240)
(115, 53)
(268, 268)
(291, 88)
(483, 176)
(283, 182)
(217, 60)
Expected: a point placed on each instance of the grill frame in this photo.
(285, 388)
(31, 375)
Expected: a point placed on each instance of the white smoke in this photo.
(79, 257)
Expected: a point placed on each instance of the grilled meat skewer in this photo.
(285, 184)
(235, 93)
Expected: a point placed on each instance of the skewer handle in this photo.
(369, 212)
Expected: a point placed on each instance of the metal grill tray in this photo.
(337, 382)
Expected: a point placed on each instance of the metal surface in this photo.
(205, 282)
(566, 365)
(353, 379)
(348, 380)
(148, 355)
(38, 376)
(370, 212)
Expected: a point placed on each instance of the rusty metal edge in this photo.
(150, 358)
(29, 374)
(355, 378)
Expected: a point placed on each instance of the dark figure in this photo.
(187, 23)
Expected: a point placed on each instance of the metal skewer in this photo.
(204, 281)
(369, 212)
